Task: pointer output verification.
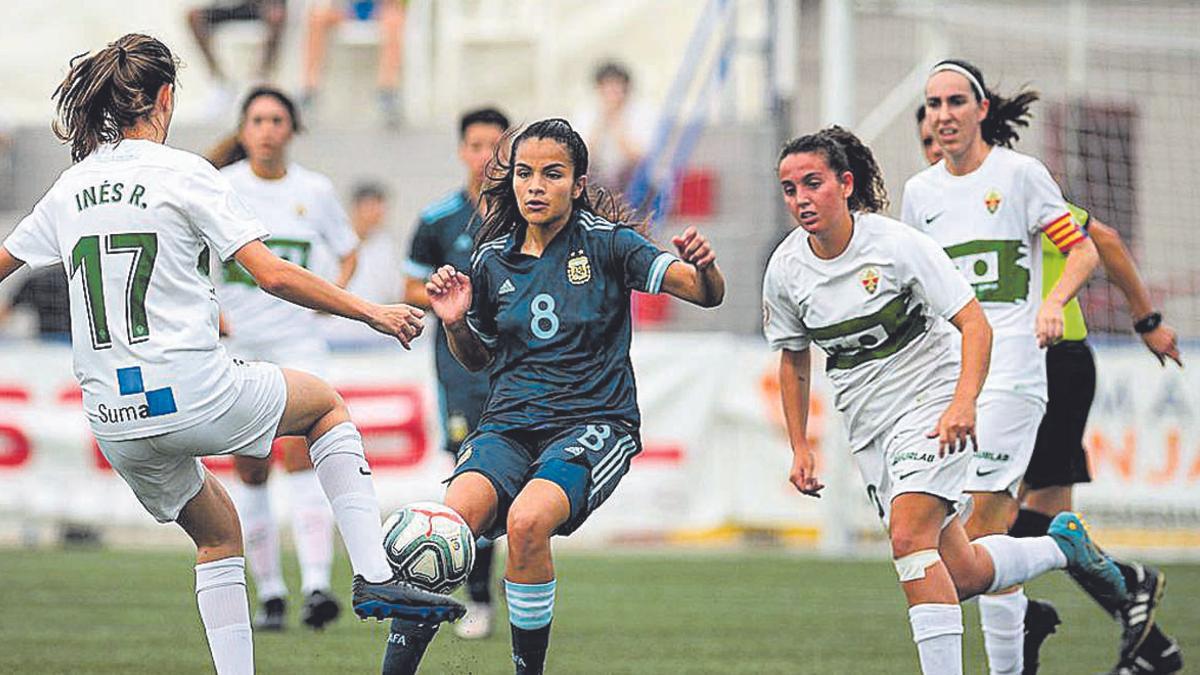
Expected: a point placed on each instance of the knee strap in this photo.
(912, 566)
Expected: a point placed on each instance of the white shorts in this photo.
(903, 460)
(164, 471)
(310, 356)
(1006, 427)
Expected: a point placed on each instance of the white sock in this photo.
(937, 630)
(312, 528)
(1019, 560)
(262, 540)
(346, 479)
(221, 595)
(1003, 619)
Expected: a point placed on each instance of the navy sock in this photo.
(479, 582)
(529, 649)
(1030, 524)
(406, 645)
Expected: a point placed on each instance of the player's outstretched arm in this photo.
(8, 263)
(450, 297)
(956, 427)
(795, 374)
(700, 282)
(1081, 260)
(1121, 270)
(299, 286)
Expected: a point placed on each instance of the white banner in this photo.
(715, 461)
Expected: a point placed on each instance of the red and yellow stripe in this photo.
(1064, 232)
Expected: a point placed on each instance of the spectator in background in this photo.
(379, 275)
(616, 127)
(45, 291)
(326, 15)
(202, 21)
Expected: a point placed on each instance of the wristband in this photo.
(1148, 323)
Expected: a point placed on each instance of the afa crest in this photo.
(579, 269)
(869, 279)
(992, 200)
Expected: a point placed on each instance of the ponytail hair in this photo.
(844, 152)
(1006, 115)
(110, 91)
(229, 150)
(503, 209)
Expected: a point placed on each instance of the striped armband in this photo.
(1064, 232)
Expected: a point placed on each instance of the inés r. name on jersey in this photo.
(879, 311)
(133, 225)
(559, 325)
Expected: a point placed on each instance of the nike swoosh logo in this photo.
(981, 472)
(365, 472)
(934, 217)
(906, 475)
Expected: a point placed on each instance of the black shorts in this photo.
(251, 10)
(586, 460)
(1058, 457)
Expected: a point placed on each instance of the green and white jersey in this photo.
(306, 222)
(880, 311)
(990, 223)
(133, 224)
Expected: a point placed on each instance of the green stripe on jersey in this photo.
(876, 336)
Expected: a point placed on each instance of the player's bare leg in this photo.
(210, 519)
(933, 611)
(1002, 612)
(529, 585)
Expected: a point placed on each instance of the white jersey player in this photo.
(883, 301)
(988, 206)
(133, 223)
(307, 223)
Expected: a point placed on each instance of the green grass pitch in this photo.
(655, 612)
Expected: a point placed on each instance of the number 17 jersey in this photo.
(134, 225)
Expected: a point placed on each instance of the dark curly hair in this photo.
(503, 210)
(844, 152)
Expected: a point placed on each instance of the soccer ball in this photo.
(430, 546)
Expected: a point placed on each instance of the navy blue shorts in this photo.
(586, 460)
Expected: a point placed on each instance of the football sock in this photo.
(479, 582)
(937, 630)
(1003, 619)
(530, 611)
(312, 529)
(261, 540)
(1030, 524)
(346, 479)
(1019, 560)
(221, 596)
(406, 645)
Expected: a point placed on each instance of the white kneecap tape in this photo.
(912, 566)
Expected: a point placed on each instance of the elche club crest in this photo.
(869, 278)
(992, 200)
(579, 268)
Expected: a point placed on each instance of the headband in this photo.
(954, 67)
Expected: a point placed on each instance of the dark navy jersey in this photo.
(445, 236)
(559, 325)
